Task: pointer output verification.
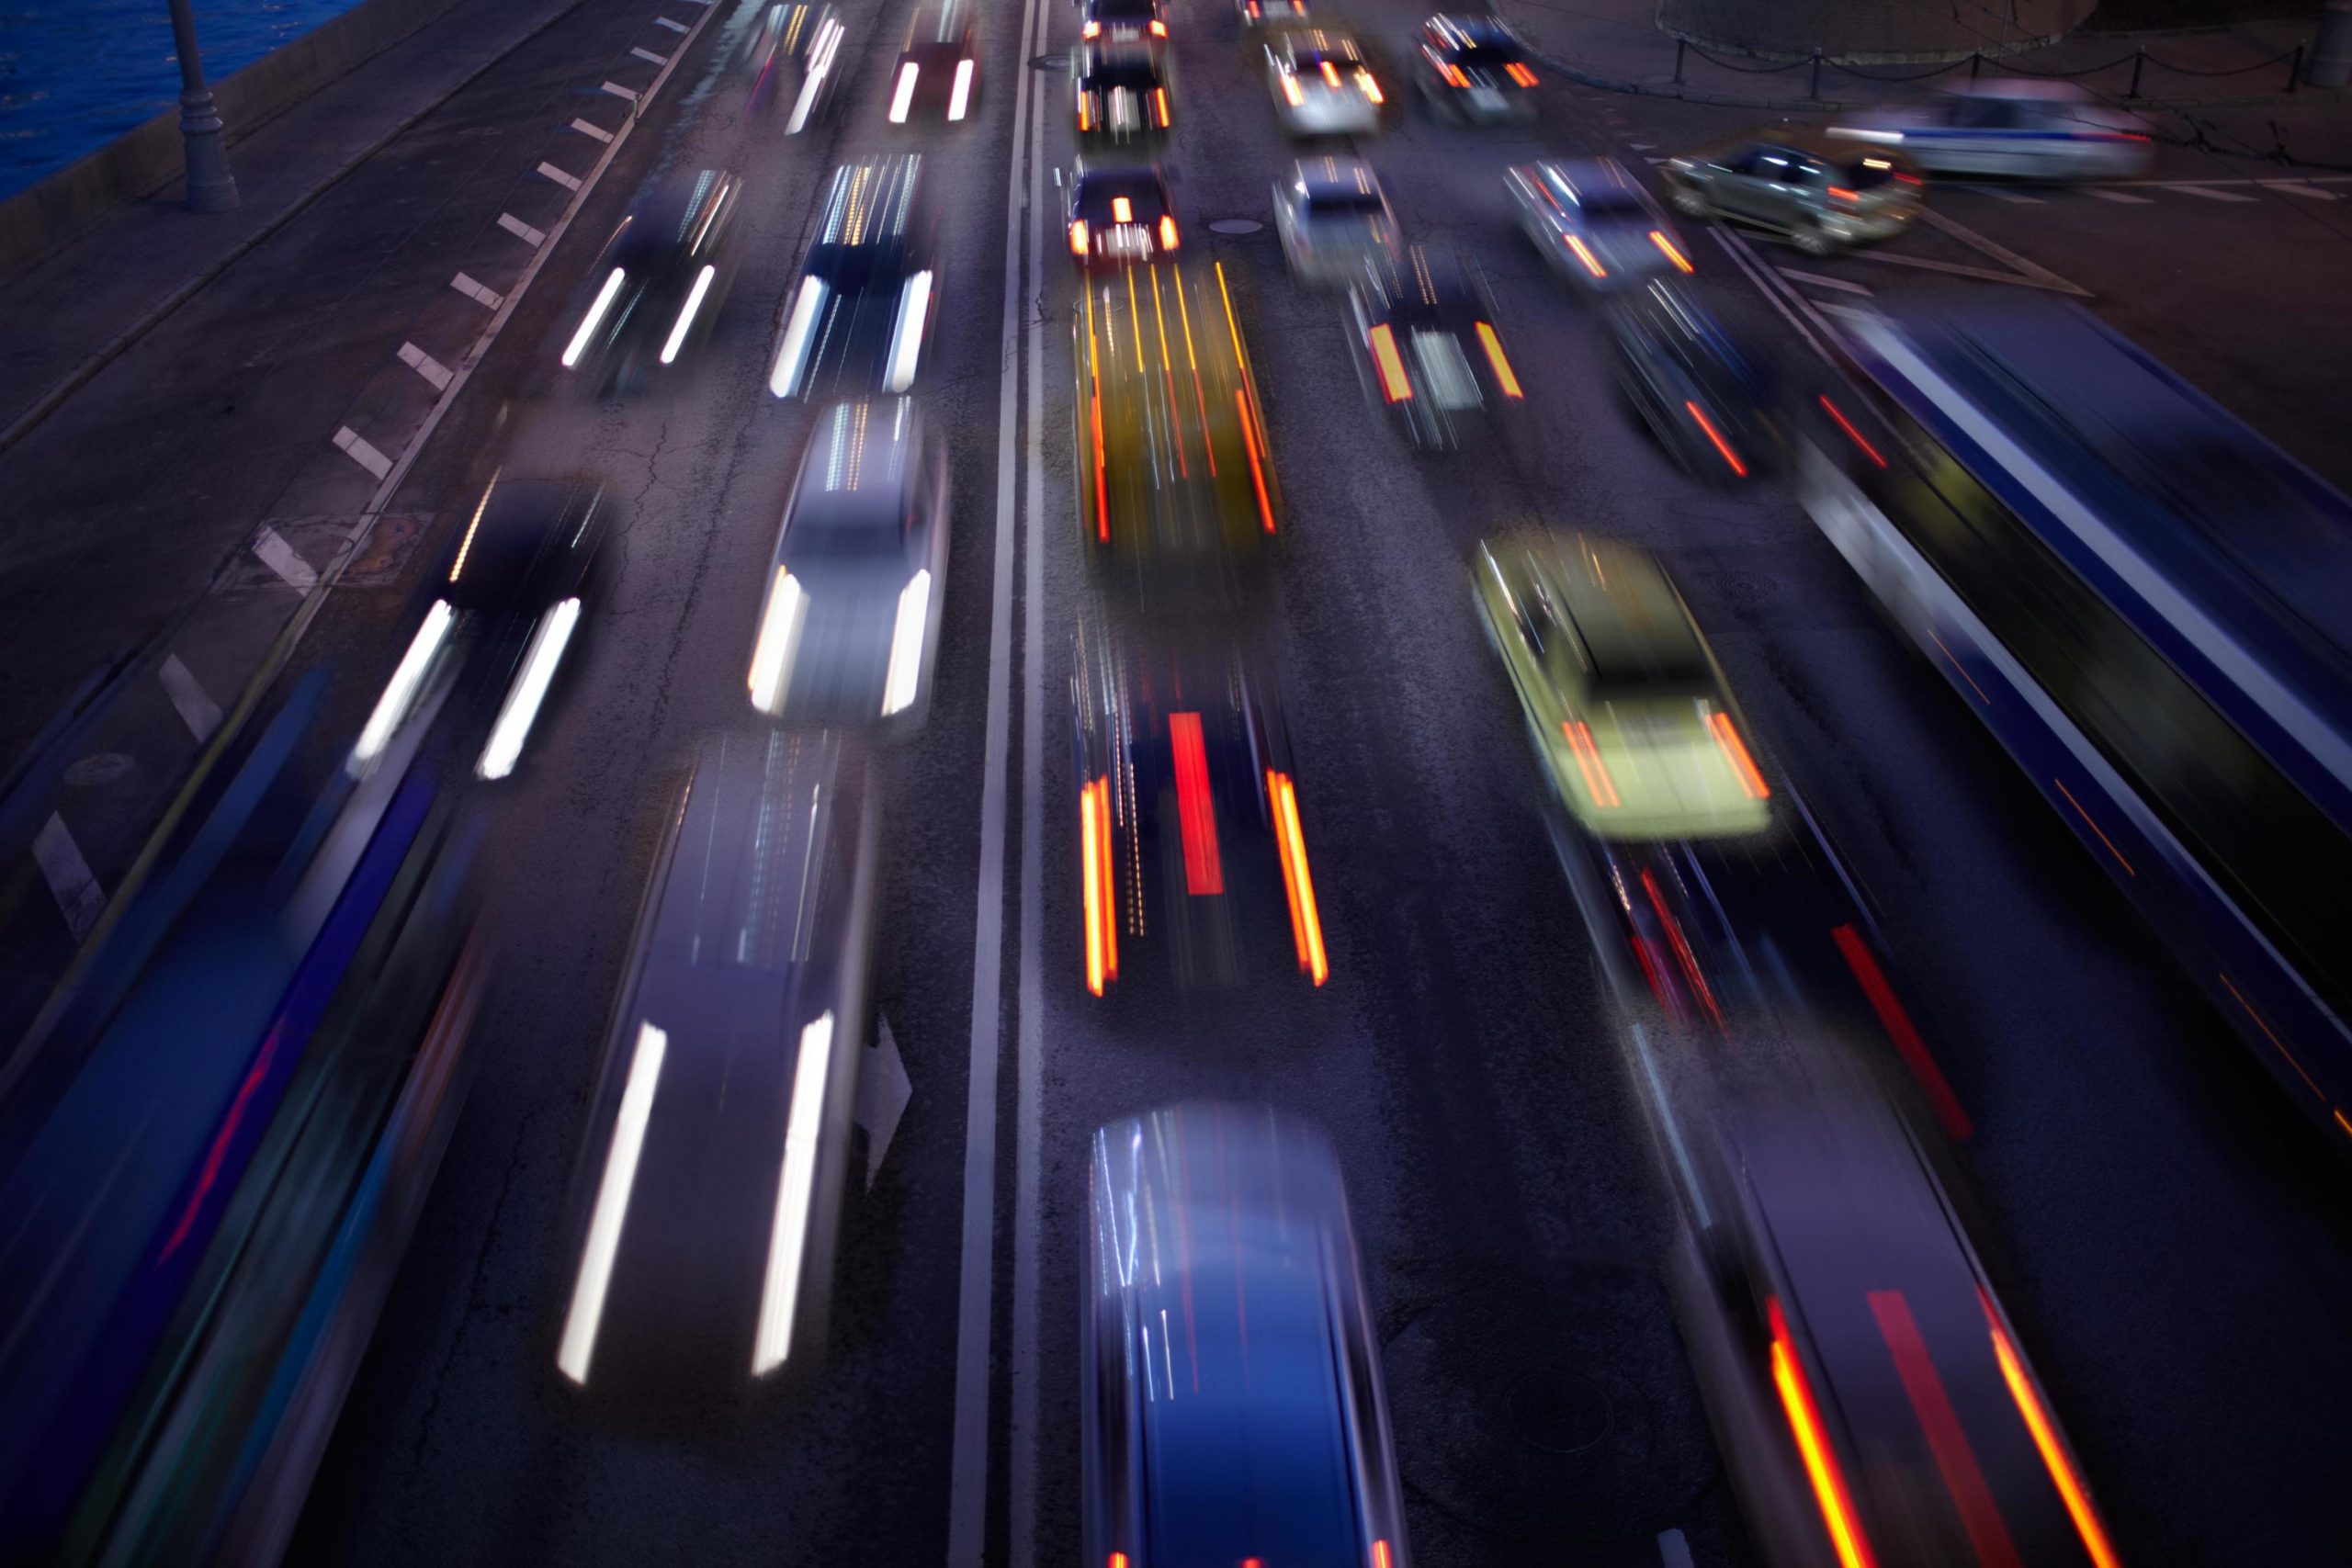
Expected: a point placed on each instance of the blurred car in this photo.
(519, 585)
(849, 629)
(710, 1194)
(1594, 223)
(1427, 347)
(1334, 217)
(794, 58)
(1710, 400)
(1119, 92)
(1112, 20)
(663, 277)
(1628, 710)
(1473, 69)
(1176, 492)
(1872, 1398)
(1322, 83)
(868, 294)
(1221, 1264)
(2040, 130)
(1821, 192)
(1120, 215)
(1191, 853)
(1271, 13)
(938, 61)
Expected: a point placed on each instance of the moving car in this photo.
(795, 58)
(1120, 215)
(1427, 347)
(1821, 192)
(1176, 496)
(938, 63)
(1629, 712)
(1271, 13)
(849, 628)
(2039, 130)
(660, 284)
(1112, 20)
(1710, 399)
(1322, 83)
(1593, 222)
(1334, 217)
(710, 1195)
(1473, 69)
(1119, 92)
(869, 291)
(499, 619)
(1191, 852)
(1220, 1264)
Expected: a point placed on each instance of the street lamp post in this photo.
(210, 187)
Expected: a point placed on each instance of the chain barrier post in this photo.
(1816, 94)
(2295, 69)
(1975, 62)
(2139, 59)
(1680, 46)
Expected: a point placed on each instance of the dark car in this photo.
(868, 295)
(499, 618)
(1473, 69)
(1229, 1385)
(1112, 20)
(1191, 852)
(1120, 215)
(794, 56)
(1710, 398)
(710, 1193)
(1823, 193)
(658, 285)
(1119, 92)
(1427, 346)
(937, 73)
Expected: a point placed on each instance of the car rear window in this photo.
(1866, 170)
(1488, 56)
(1609, 201)
(1343, 203)
(1137, 74)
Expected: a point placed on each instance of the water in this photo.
(74, 74)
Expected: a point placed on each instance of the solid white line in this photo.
(360, 450)
(2303, 188)
(619, 91)
(79, 897)
(1672, 1550)
(426, 365)
(2117, 196)
(666, 22)
(1820, 282)
(2210, 194)
(1999, 193)
(598, 132)
(197, 708)
(1640, 147)
(475, 292)
(647, 54)
(2033, 270)
(279, 557)
(521, 230)
(568, 182)
(967, 1496)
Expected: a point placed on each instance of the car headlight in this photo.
(905, 675)
(780, 622)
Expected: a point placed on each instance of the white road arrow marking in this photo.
(883, 1090)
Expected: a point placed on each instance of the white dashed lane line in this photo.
(619, 91)
(666, 22)
(197, 708)
(426, 365)
(280, 557)
(586, 128)
(2308, 191)
(490, 297)
(360, 450)
(2209, 193)
(78, 894)
(648, 56)
(1818, 281)
(549, 172)
(521, 230)
(2125, 197)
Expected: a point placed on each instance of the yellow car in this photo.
(1624, 701)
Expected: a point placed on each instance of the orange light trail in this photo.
(1306, 925)
(1093, 807)
(1851, 434)
(1682, 952)
(1519, 73)
(1682, 262)
(1095, 404)
(2053, 1447)
(1738, 468)
(1393, 384)
(1597, 782)
(1735, 750)
(1813, 1446)
(1591, 262)
(1494, 347)
(1257, 470)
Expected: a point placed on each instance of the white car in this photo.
(1333, 217)
(2043, 130)
(1593, 222)
(1322, 85)
(1271, 13)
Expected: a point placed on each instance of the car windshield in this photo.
(1344, 204)
(850, 269)
(1139, 74)
(1307, 62)
(1611, 201)
(1095, 200)
(1485, 56)
(841, 528)
(1122, 10)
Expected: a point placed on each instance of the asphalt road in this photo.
(2171, 1241)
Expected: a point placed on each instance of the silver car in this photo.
(1823, 193)
(1594, 223)
(1334, 217)
(849, 628)
(2039, 130)
(1322, 85)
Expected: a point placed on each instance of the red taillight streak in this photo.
(2046, 1440)
(1380, 1555)
(1454, 75)
(1845, 197)
(1519, 73)
(1682, 262)
(1597, 782)
(1257, 470)
(1391, 365)
(1503, 375)
(1738, 468)
(1735, 751)
(1682, 951)
(1096, 883)
(1900, 1029)
(1591, 262)
(1903, 178)
(1955, 1461)
(1305, 924)
(220, 1149)
(1829, 1491)
(1195, 813)
(2263, 1024)
(1851, 434)
(1094, 408)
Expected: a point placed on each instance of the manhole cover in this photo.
(1236, 226)
(1559, 1411)
(98, 770)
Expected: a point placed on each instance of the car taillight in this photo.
(1584, 254)
(1159, 104)
(1306, 925)
(1371, 88)
(1735, 751)
(1078, 237)
(1821, 1468)
(1845, 197)
(1291, 92)
(1330, 74)
(1095, 868)
(1598, 785)
(1519, 73)
(1851, 434)
(1682, 262)
(1394, 386)
(1167, 234)
(1494, 347)
(1091, 30)
(1086, 111)
(1915, 180)
(1723, 447)
(1453, 75)
(1160, 30)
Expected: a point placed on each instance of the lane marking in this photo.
(475, 292)
(79, 897)
(426, 365)
(2210, 194)
(360, 450)
(279, 556)
(2175, 184)
(521, 230)
(2001, 193)
(1672, 1550)
(1820, 282)
(598, 132)
(1970, 238)
(967, 1497)
(666, 22)
(1653, 160)
(619, 91)
(1955, 269)
(2303, 188)
(2117, 196)
(197, 708)
(568, 182)
(648, 56)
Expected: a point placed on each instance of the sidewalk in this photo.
(1616, 45)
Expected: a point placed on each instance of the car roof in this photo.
(1625, 610)
(518, 539)
(1103, 183)
(941, 22)
(1580, 177)
(1336, 175)
(864, 456)
(1125, 58)
(1466, 31)
(1317, 40)
(871, 201)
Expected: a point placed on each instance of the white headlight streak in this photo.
(906, 338)
(961, 98)
(780, 624)
(786, 379)
(530, 689)
(686, 313)
(906, 645)
(820, 65)
(905, 95)
(796, 1186)
(612, 1205)
(401, 691)
(579, 343)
